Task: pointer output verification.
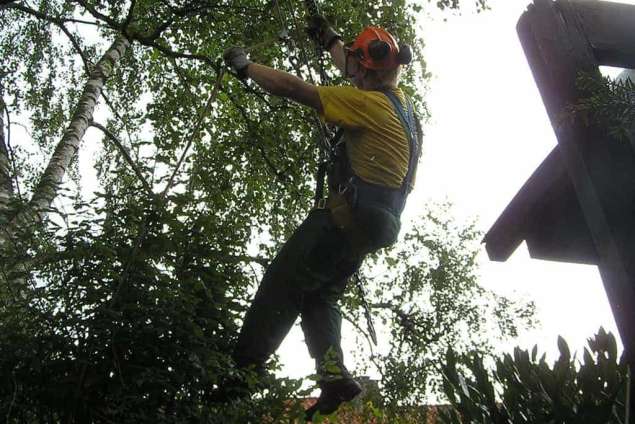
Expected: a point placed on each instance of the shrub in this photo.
(525, 389)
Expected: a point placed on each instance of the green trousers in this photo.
(306, 278)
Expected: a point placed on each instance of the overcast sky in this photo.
(489, 131)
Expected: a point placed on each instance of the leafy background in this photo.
(124, 303)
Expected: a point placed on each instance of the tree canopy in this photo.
(142, 191)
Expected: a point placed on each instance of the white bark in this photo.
(47, 188)
(6, 186)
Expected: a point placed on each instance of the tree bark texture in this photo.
(6, 186)
(47, 188)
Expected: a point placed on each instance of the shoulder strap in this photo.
(408, 121)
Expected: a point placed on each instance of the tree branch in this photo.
(264, 262)
(197, 127)
(128, 20)
(362, 331)
(176, 55)
(87, 65)
(125, 154)
(49, 18)
(406, 321)
(11, 152)
(99, 16)
(4, 4)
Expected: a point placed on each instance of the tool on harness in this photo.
(319, 199)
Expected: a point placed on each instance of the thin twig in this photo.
(176, 55)
(13, 398)
(60, 24)
(87, 65)
(362, 331)
(264, 262)
(99, 16)
(125, 154)
(278, 174)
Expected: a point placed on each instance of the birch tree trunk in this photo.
(6, 186)
(6, 194)
(47, 188)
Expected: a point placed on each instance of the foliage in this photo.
(124, 304)
(431, 300)
(608, 102)
(525, 389)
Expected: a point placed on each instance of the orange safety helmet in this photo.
(376, 48)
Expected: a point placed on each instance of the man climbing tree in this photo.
(369, 178)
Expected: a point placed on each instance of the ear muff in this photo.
(404, 56)
(378, 49)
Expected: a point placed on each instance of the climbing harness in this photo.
(359, 192)
(409, 123)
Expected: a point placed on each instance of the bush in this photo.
(525, 389)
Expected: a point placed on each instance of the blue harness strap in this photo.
(408, 121)
(367, 195)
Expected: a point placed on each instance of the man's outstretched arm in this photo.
(273, 81)
(283, 84)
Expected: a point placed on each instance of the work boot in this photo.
(333, 394)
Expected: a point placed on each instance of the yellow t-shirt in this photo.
(376, 141)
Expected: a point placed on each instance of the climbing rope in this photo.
(162, 198)
(324, 134)
(220, 72)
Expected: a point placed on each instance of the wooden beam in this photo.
(610, 29)
(558, 230)
(601, 169)
(547, 215)
(511, 227)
